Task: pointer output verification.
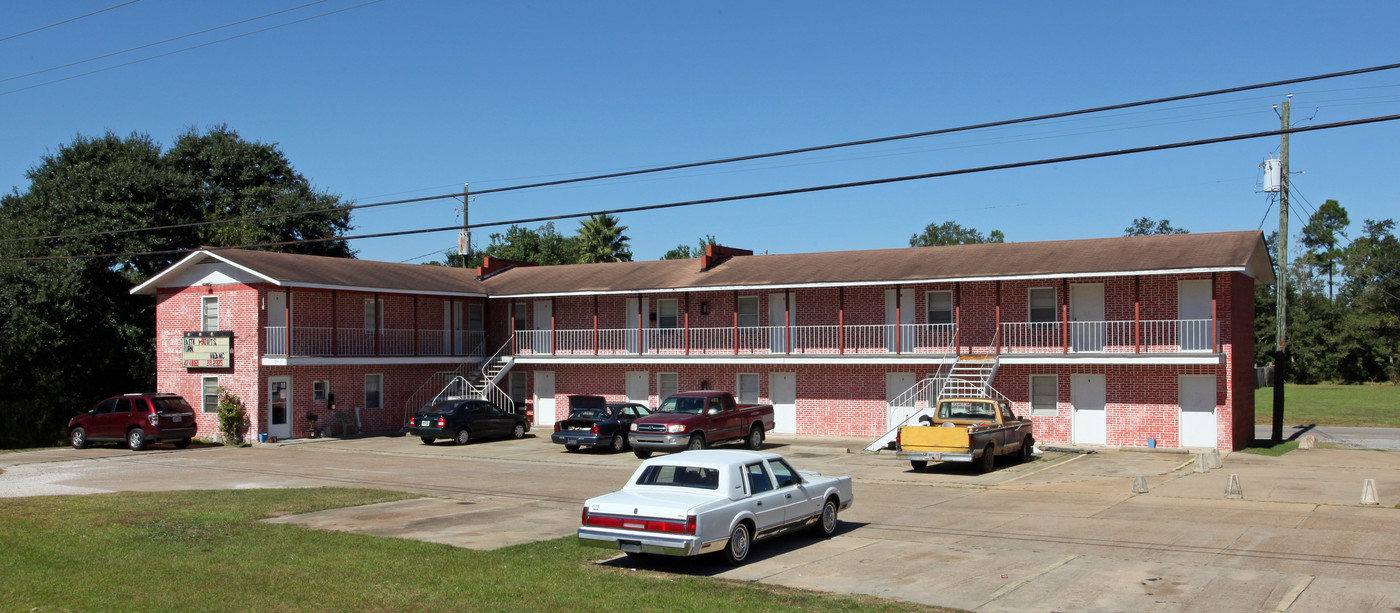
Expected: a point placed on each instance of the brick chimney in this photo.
(715, 254)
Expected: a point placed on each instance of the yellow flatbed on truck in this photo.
(966, 430)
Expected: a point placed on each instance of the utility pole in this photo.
(464, 238)
(1281, 317)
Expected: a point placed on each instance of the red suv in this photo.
(137, 419)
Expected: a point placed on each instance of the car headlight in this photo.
(675, 428)
(633, 427)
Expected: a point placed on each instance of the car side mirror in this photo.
(712, 412)
(92, 411)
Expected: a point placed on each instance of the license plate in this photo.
(425, 423)
(630, 546)
(573, 441)
(175, 419)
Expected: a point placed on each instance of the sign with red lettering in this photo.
(207, 349)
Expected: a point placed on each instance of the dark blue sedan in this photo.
(465, 420)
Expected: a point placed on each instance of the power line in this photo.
(59, 23)
(770, 194)
(712, 162)
(191, 48)
(162, 42)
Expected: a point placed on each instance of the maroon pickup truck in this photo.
(696, 420)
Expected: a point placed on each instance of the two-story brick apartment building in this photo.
(1105, 341)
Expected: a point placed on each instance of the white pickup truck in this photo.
(698, 502)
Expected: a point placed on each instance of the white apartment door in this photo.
(1193, 309)
(905, 312)
(638, 387)
(780, 317)
(782, 393)
(636, 318)
(279, 407)
(277, 323)
(1196, 396)
(900, 406)
(544, 398)
(1087, 329)
(544, 326)
(1088, 395)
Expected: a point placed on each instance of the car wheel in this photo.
(641, 453)
(988, 460)
(182, 443)
(463, 437)
(738, 548)
(136, 439)
(826, 523)
(570, 447)
(518, 432)
(755, 440)
(427, 440)
(78, 437)
(1027, 449)
(697, 442)
(618, 443)
(918, 464)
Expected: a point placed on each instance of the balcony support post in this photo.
(1137, 314)
(787, 320)
(996, 336)
(1064, 317)
(513, 349)
(595, 324)
(687, 323)
(551, 325)
(1214, 316)
(335, 327)
(415, 325)
(287, 308)
(841, 320)
(898, 319)
(378, 319)
(736, 322)
(957, 318)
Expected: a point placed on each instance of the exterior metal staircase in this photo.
(482, 382)
(970, 376)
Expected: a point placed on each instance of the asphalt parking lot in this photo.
(1063, 533)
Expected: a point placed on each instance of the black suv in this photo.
(137, 419)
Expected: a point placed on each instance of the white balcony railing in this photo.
(357, 342)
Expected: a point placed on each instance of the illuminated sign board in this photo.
(208, 349)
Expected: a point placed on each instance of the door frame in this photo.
(1181, 399)
(784, 413)
(1075, 395)
(545, 417)
(284, 430)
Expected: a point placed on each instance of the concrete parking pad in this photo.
(472, 524)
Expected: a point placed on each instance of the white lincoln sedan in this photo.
(699, 502)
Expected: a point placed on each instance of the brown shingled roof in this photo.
(1242, 251)
(320, 271)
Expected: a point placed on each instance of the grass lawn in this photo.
(1362, 406)
(206, 551)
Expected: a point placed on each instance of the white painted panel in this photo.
(906, 316)
(1088, 396)
(638, 389)
(1193, 307)
(545, 406)
(782, 392)
(544, 316)
(1088, 332)
(896, 384)
(1196, 395)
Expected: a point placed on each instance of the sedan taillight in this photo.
(593, 430)
(442, 422)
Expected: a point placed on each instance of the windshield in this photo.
(680, 476)
(442, 408)
(683, 404)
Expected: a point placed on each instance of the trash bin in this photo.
(262, 437)
(1151, 443)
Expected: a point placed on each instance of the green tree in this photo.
(1145, 226)
(951, 233)
(1320, 238)
(600, 239)
(236, 179)
(684, 251)
(544, 246)
(1368, 341)
(73, 332)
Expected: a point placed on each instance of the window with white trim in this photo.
(1042, 304)
(667, 384)
(319, 389)
(667, 313)
(519, 317)
(374, 391)
(940, 307)
(476, 321)
(374, 314)
(747, 386)
(209, 313)
(209, 394)
(748, 311)
(1045, 393)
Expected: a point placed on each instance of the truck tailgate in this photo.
(934, 438)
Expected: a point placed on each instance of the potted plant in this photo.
(311, 425)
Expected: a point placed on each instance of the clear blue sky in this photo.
(405, 98)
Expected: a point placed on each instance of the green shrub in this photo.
(233, 417)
